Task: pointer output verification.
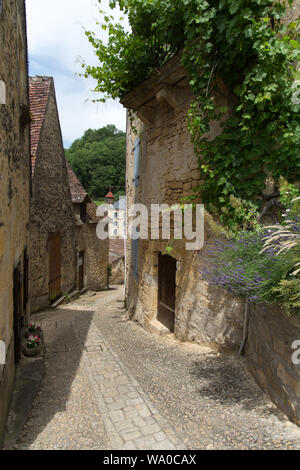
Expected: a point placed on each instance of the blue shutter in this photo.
(137, 152)
(135, 258)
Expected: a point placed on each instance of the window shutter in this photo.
(137, 152)
(135, 258)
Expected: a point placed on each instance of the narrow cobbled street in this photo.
(110, 384)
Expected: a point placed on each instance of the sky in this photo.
(56, 41)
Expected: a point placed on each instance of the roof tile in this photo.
(77, 190)
(39, 91)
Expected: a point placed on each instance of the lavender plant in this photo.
(262, 264)
(246, 268)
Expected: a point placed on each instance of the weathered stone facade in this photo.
(269, 354)
(117, 272)
(168, 171)
(14, 190)
(293, 12)
(51, 207)
(117, 261)
(92, 253)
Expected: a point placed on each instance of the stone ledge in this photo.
(168, 75)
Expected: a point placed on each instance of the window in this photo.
(115, 232)
(115, 224)
(116, 215)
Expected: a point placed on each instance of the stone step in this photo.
(155, 327)
(58, 302)
(73, 294)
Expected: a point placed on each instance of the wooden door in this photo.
(18, 318)
(54, 266)
(81, 270)
(167, 291)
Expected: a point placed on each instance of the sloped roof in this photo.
(78, 192)
(110, 195)
(39, 92)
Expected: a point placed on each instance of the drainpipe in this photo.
(126, 232)
(125, 250)
(245, 328)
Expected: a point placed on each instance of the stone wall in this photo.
(96, 256)
(269, 355)
(14, 177)
(294, 11)
(51, 210)
(117, 272)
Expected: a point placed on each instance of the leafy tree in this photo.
(98, 159)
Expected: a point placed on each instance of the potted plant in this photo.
(32, 346)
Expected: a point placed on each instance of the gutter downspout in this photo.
(245, 328)
(126, 214)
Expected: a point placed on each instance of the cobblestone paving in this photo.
(88, 400)
(111, 385)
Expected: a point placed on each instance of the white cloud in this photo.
(55, 41)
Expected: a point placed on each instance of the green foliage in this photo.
(98, 159)
(127, 59)
(239, 48)
(287, 292)
(288, 195)
(109, 270)
(238, 214)
(284, 240)
(252, 53)
(169, 250)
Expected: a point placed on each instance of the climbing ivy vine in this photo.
(240, 48)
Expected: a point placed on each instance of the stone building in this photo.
(52, 226)
(92, 253)
(163, 289)
(165, 292)
(14, 193)
(117, 261)
(117, 213)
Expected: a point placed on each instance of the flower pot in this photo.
(32, 352)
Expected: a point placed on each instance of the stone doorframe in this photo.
(150, 297)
